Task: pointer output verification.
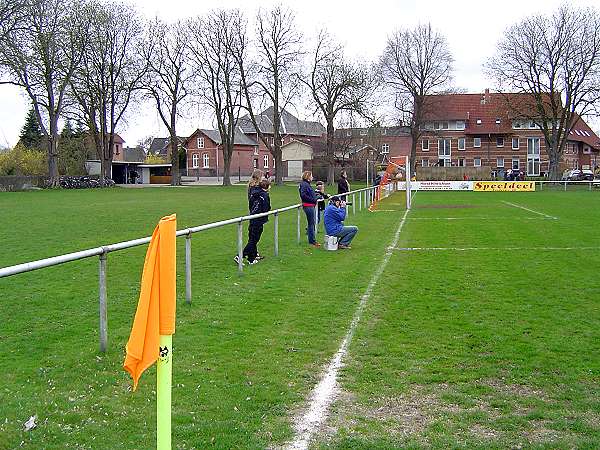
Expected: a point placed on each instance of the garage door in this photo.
(295, 169)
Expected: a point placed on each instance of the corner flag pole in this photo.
(164, 373)
(407, 175)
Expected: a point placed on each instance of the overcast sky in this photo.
(471, 27)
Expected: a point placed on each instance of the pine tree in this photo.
(31, 134)
(68, 131)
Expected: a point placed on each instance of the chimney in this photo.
(487, 95)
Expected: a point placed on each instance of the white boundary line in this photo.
(462, 249)
(480, 218)
(324, 392)
(530, 210)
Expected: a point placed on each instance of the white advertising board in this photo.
(441, 186)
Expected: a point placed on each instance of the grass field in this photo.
(482, 331)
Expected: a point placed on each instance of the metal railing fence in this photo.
(365, 197)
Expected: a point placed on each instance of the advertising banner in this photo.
(442, 185)
(504, 186)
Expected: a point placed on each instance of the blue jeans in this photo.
(346, 235)
(310, 219)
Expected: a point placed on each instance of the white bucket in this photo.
(331, 243)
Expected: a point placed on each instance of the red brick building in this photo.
(477, 130)
(204, 154)
(386, 143)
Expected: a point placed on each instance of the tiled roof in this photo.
(133, 154)
(581, 132)
(290, 124)
(159, 145)
(378, 131)
(239, 138)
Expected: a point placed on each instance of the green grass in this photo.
(484, 348)
(481, 348)
(248, 349)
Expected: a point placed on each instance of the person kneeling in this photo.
(335, 213)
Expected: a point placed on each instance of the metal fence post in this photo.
(102, 297)
(590, 186)
(354, 204)
(360, 201)
(239, 243)
(565, 185)
(276, 237)
(298, 226)
(188, 268)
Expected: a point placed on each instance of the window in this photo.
(363, 132)
(477, 142)
(476, 162)
(266, 161)
(461, 143)
(385, 148)
(444, 152)
(255, 151)
(517, 124)
(460, 124)
(116, 149)
(384, 131)
(500, 161)
(424, 163)
(200, 142)
(515, 143)
(533, 156)
(425, 145)
(205, 161)
(497, 121)
(272, 141)
(461, 162)
(348, 133)
(499, 141)
(437, 126)
(255, 163)
(515, 164)
(478, 121)
(587, 150)
(195, 160)
(445, 125)
(532, 124)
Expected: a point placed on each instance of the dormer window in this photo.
(363, 132)
(478, 121)
(497, 121)
(460, 125)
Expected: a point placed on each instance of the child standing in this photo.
(321, 197)
(259, 203)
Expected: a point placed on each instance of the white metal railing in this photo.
(365, 197)
(564, 183)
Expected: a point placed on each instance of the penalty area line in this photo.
(464, 249)
(323, 394)
(514, 205)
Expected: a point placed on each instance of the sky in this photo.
(472, 29)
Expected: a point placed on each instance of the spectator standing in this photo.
(322, 197)
(334, 217)
(309, 202)
(343, 185)
(259, 203)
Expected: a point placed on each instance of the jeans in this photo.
(254, 233)
(346, 235)
(310, 219)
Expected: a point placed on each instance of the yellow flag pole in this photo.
(164, 372)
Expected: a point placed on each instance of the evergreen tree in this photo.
(31, 134)
(68, 131)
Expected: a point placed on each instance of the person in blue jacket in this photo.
(309, 202)
(335, 214)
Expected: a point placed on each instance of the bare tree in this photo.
(109, 75)
(213, 42)
(555, 62)
(10, 15)
(273, 77)
(416, 63)
(169, 78)
(40, 55)
(337, 85)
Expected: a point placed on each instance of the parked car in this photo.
(572, 175)
(587, 175)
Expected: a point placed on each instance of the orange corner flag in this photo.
(155, 314)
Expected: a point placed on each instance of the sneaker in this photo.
(344, 247)
(259, 256)
(253, 262)
(236, 258)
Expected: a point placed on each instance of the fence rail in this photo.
(365, 195)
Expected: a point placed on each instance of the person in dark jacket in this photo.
(309, 202)
(343, 185)
(321, 197)
(253, 184)
(259, 203)
(335, 214)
